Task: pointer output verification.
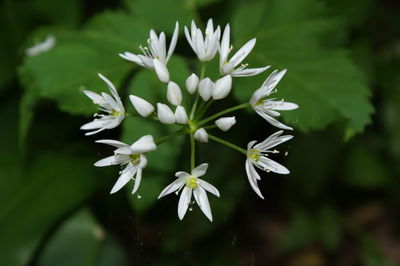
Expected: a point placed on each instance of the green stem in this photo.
(176, 133)
(194, 107)
(210, 126)
(203, 70)
(204, 109)
(232, 109)
(226, 143)
(192, 152)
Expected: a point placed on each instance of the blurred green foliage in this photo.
(339, 206)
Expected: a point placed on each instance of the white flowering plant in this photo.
(193, 119)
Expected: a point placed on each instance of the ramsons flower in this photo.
(230, 66)
(132, 156)
(205, 48)
(225, 123)
(155, 56)
(257, 155)
(267, 108)
(111, 105)
(192, 184)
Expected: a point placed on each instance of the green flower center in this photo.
(254, 155)
(115, 113)
(192, 182)
(135, 158)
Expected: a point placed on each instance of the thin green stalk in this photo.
(232, 109)
(192, 112)
(210, 126)
(226, 143)
(176, 133)
(204, 109)
(192, 151)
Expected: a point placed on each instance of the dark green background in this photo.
(339, 205)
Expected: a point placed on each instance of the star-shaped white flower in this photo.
(111, 105)
(192, 184)
(267, 108)
(155, 56)
(205, 48)
(230, 66)
(132, 156)
(257, 155)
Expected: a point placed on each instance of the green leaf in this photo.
(322, 80)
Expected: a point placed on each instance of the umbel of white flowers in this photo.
(172, 109)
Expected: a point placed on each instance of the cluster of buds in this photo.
(204, 92)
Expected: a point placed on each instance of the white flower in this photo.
(206, 88)
(165, 114)
(41, 47)
(257, 155)
(110, 105)
(229, 66)
(191, 183)
(181, 115)
(222, 87)
(267, 108)
(225, 123)
(134, 158)
(143, 107)
(155, 55)
(205, 48)
(201, 135)
(174, 93)
(191, 83)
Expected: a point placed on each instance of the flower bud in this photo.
(161, 71)
(206, 87)
(201, 135)
(191, 83)
(222, 87)
(165, 114)
(181, 115)
(174, 94)
(225, 123)
(143, 107)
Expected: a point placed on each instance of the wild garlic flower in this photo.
(205, 48)
(111, 105)
(230, 66)
(257, 155)
(191, 184)
(267, 108)
(225, 123)
(132, 156)
(155, 56)
(143, 107)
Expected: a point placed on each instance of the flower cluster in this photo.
(204, 91)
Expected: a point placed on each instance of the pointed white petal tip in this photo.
(181, 115)
(174, 93)
(143, 107)
(225, 123)
(201, 135)
(143, 145)
(165, 114)
(222, 87)
(191, 83)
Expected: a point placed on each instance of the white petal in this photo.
(182, 174)
(174, 39)
(201, 135)
(272, 141)
(162, 48)
(273, 121)
(266, 164)
(225, 123)
(112, 142)
(133, 58)
(202, 200)
(106, 161)
(226, 68)
(165, 114)
(241, 54)
(174, 186)
(124, 178)
(222, 87)
(210, 188)
(252, 175)
(274, 78)
(283, 106)
(184, 201)
(225, 42)
(191, 83)
(143, 107)
(200, 170)
(188, 38)
(174, 93)
(199, 46)
(250, 144)
(144, 144)
(206, 87)
(112, 88)
(138, 178)
(161, 71)
(181, 115)
(96, 98)
(248, 72)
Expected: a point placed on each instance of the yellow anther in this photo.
(115, 113)
(192, 182)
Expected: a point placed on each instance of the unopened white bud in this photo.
(206, 87)
(225, 123)
(191, 83)
(201, 135)
(143, 107)
(222, 87)
(181, 115)
(174, 94)
(161, 71)
(165, 114)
